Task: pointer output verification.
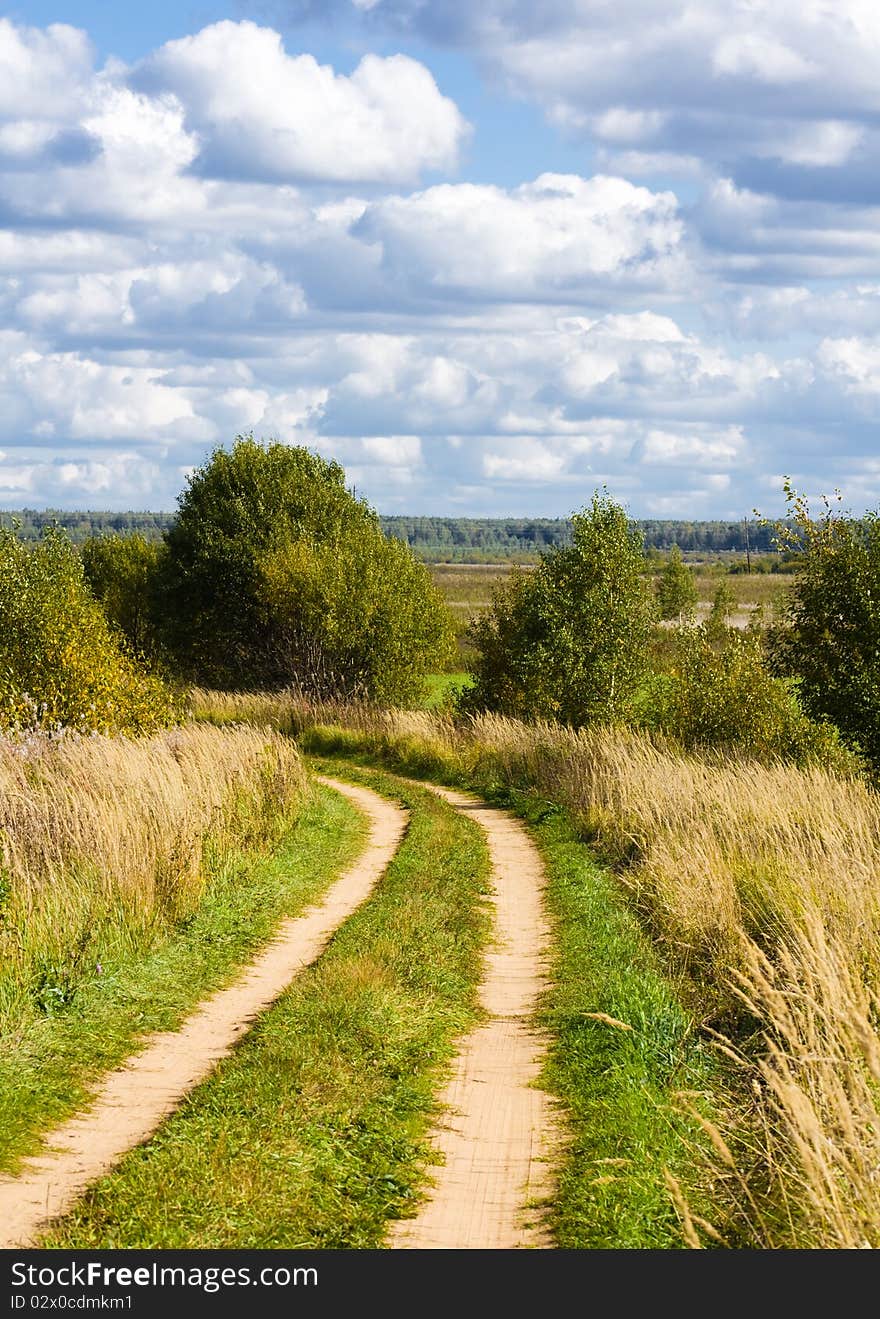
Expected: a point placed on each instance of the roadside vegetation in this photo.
(703, 781)
(62, 664)
(137, 876)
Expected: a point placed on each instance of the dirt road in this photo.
(133, 1100)
(497, 1140)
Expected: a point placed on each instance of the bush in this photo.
(568, 641)
(828, 636)
(61, 665)
(717, 624)
(676, 589)
(277, 576)
(122, 573)
(724, 697)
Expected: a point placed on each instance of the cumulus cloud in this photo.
(44, 73)
(556, 238)
(751, 236)
(263, 114)
(854, 362)
(119, 480)
(715, 449)
(774, 314)
(792, 81)
(87, 146)
(533, 460)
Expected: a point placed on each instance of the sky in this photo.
(490, 257)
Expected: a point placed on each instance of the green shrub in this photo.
(725, 697)
(723, 605)
(122, 573)
(676, 589)
(568, 642)
(61, 664)
(828, 635)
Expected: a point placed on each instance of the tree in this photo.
(828, 632)
(723, 605)
(122, 572)
(568, 641)
(61, 664)
(676, 590)
(276, 575)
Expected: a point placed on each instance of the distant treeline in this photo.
(443, 540)
(82, 526)
(455, 539)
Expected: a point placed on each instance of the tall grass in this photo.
(105, 840)
(758, 883)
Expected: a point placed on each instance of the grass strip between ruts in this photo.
(314, 1132)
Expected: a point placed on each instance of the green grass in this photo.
(48, 1061)
(313, 1133)
(443, 686)
(620, 1087)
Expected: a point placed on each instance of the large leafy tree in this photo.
(276, 575)
(568, 641)
(828, 633)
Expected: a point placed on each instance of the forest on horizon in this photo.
(440, 539)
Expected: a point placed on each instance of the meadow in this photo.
(467, 588)
(704, 802)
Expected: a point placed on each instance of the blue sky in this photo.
(490, 257)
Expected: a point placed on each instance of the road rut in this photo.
(133, 1100)
(498, 1134)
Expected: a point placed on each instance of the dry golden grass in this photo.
(819, 1089)
(99, 828)
(761, 885)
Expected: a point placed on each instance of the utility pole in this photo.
(748, 554)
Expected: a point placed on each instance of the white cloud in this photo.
(553, 238)
(823, 144)
(137, 170)
(790, 80)
(261, 113)
(620, 126)
(532, 461)
(78, 398)
(42, 71)
(118, 480)
(397, 450)
(720, 449)
(854, 362)
(762, 57)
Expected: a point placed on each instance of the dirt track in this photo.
(497, 1138)
(134, 1099)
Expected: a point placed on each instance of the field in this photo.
(467, 588)
(326, 965)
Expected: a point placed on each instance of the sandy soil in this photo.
(499, 1131)
(133, 1100)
